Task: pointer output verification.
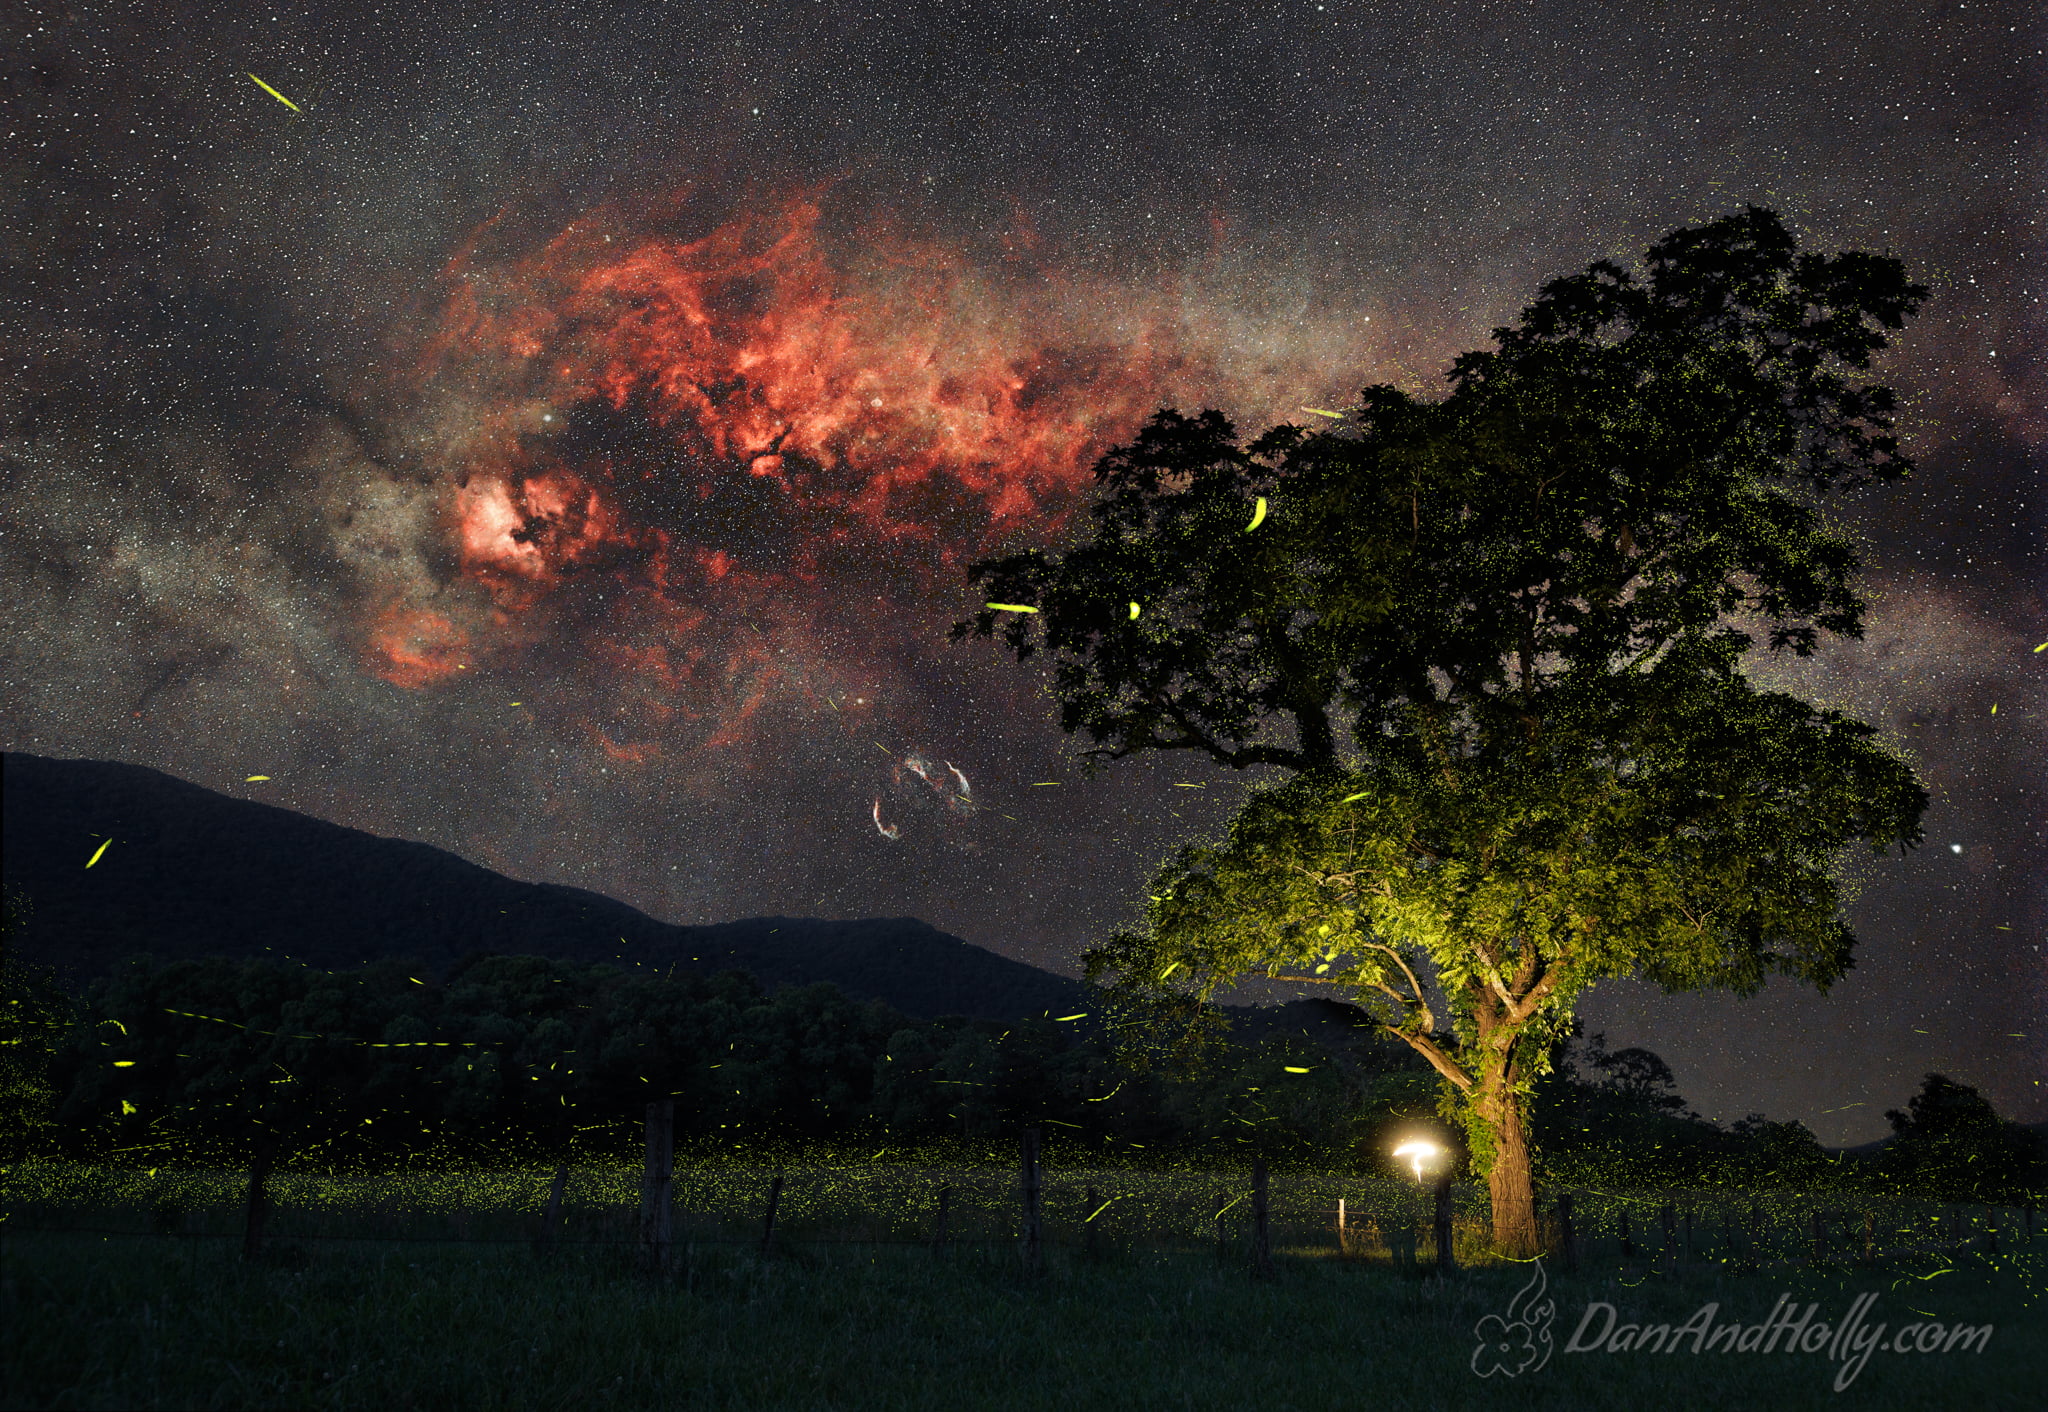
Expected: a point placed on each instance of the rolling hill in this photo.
(192, 872)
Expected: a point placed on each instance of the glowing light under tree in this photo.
(1419, 1153)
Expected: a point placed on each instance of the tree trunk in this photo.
(1508, 1179)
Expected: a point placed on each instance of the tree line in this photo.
(535, 1058)
(1615, 1119)
(524, 1058)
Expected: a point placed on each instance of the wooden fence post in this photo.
(551, 1214)
(945, 1200)
(656, 1186)
(1567, 1238)
(1262, 1248)
(1628, 1246)
(774, 1201)
(1343, 1237)
(1034, 1256)
(256, 1208)
(1869, 1234)
(1446, 1248)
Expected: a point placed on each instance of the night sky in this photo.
(561, 439)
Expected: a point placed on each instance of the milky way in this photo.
(559, 436)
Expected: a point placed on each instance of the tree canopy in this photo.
(1530, 601)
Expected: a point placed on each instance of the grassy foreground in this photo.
(123, 1322)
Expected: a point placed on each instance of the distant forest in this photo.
(529, 1059)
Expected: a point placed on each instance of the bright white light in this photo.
(1418, 1152)
(1955, 848)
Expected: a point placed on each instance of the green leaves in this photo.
(1533, 600)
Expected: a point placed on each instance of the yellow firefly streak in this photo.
(2042, 648)
(884, 749)
(253, 778)
(1012, 607)
(1170, 969)
(1336, 416)
(275, 94)
(1134, 610)
(1062, 1019)
(1258, 515)
(96, 856)
(1292, 1070)
(1041, 784)
(1349, 797)
(124, 1063)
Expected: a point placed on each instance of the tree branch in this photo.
(1429, 1049)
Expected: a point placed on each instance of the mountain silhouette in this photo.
(190, 872)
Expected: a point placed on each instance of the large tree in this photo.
(1531, 601)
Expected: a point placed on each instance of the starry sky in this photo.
(558, 433)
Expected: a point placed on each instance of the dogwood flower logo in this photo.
(1520, 1343)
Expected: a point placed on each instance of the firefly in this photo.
(1012, 607)
(275, 94)
(1258, 515)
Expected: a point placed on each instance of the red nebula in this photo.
(694, 448)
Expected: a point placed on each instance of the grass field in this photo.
(329, 1320)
